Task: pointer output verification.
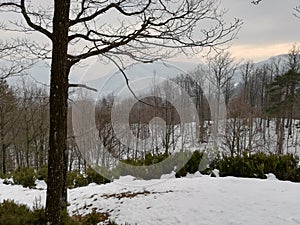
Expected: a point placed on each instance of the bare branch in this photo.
(83, 86)
(297, 12)
(25, 14)
(164, 31)
(129, 87)
(97, 51)
(256, 2)
(31, 24)
(12, 61)
(116, 6)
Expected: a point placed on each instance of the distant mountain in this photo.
(139, 75)
(114, 80)
(280, 59)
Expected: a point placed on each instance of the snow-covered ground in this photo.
(194, 200)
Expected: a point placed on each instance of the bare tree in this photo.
(222, 68)
(76, 30)
(7, 121)
(33, 123)
(220, 73)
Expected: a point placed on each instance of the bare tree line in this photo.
(263, 106)
(24, 126)
(252, 124)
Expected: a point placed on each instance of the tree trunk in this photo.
(202, 117)
(280, 138)
(58, 113)
(3, 147)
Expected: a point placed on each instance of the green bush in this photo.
(94, 177)
(19, 214)
(42, 173)
(76, 179)
(149, 159)
(284, 167)
(153, 170)
(24, 176)
(2, 175)
(192, 166)
(12, 213)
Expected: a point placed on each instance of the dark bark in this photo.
(58, 113)
(2, 141)
(280, 138)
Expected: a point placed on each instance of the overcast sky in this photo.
(269, 28)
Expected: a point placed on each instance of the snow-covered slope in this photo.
(195, 200)
(279, 60)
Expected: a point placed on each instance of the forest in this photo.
(262, 116)
(224, 117)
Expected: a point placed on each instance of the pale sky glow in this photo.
(259, 53)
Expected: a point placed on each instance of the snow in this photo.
(22, 195)
(194, 200)
(271, 176)
(216, 173)
(40, 184)
(168, 176)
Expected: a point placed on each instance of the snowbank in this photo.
(199, 200)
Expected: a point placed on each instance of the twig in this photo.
(256, 2)
(83, 86)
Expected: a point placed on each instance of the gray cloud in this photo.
(270, 22)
